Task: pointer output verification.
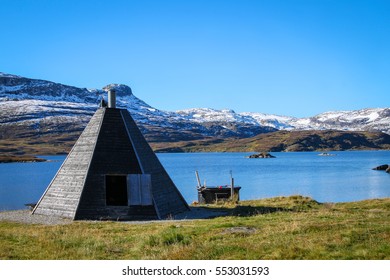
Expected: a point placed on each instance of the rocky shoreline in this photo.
(20, 159)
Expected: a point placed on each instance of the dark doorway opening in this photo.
(116, 190)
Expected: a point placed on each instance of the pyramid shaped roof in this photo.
(111, 173)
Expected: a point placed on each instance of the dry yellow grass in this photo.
(280, 228)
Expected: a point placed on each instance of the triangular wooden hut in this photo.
(111, 173)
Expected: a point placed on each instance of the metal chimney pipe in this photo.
(111, 98)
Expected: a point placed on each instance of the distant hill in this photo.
(287, 141)
(38, 116)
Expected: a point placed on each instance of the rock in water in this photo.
(382, 167)
(262, 155)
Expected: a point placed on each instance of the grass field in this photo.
(293, 227)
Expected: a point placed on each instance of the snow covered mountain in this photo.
(30, 106)
(358, 120)
(46, 107)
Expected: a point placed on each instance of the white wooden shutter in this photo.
(139, 188)
(146, 189)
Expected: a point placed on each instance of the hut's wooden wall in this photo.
(63, 194)
(111, 144)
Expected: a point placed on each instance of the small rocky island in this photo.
(262, 155)
(384, 167)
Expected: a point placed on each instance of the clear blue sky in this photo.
(296, 58)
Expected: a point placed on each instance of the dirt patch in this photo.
(24, 216)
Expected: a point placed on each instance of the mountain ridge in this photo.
(13, 87)
(30, 108)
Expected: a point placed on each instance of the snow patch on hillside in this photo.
(23, 100)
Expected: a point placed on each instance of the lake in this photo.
(347, 176)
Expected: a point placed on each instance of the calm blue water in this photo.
(344, 177)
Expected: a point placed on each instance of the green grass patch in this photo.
(293, 227)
